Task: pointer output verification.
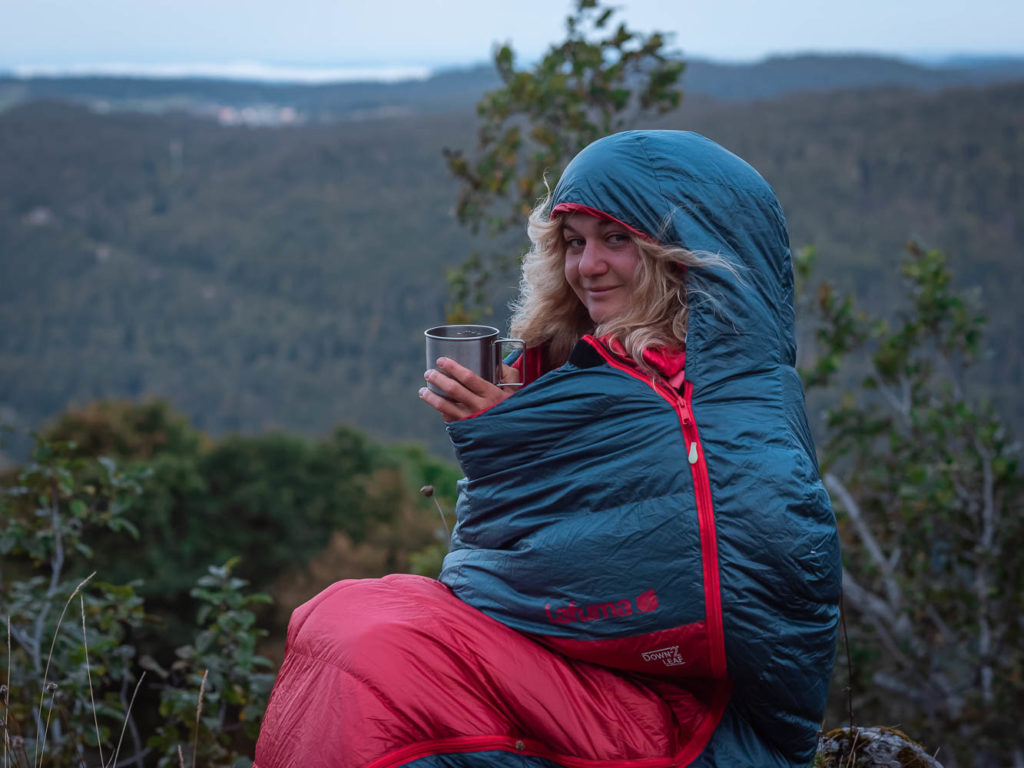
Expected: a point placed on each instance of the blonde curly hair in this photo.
(548, 312)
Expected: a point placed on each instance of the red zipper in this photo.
(528, 748)
(708, 536)
(702, 497)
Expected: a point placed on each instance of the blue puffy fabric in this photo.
(680, 535)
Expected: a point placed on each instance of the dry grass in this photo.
(14, 753)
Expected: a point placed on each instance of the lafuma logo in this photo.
(642, 603)
(670, 656)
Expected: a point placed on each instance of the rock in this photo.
(875, 747)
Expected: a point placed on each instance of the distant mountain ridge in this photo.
(782, 75)
(459, 89)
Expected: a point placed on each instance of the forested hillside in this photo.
(281, 277)
(257, 278)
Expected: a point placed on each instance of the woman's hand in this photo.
(466, 392)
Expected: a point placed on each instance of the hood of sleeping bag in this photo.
(680, 188)
(680, 533)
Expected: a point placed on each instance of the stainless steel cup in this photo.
(478, 347)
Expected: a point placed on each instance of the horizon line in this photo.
(315, 74)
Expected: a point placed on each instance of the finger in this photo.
(510, 375)
(475, 384)
(449, 410)
(445, 385)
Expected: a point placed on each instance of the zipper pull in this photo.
(687, 421)
(692, 455)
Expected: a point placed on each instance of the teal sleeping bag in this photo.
(679, 535)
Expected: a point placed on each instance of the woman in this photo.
(645, 569)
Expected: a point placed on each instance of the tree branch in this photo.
(900, 405)
(943, 628)
(882, 617)
(892, 589)
(899, 686)
(21, 637)
(865, 601)
(982, 573)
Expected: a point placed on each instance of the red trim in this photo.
(579, 208)
(701, 737)
(526, 747)
(705, 505)
(709, 539)
(481, 411)
(529, 747)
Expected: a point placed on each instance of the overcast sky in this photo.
(38, 34)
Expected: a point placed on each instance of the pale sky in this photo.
(44, 34)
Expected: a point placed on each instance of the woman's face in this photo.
(601, 259)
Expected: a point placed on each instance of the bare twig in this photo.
(880, 613)
(22, 638)
(88, 674)
(849, 660)
(7, 691)
(41, 742)
(866, 601)
(140, 753)
(899, 404)
(199, 712)
(853, 747)
(935, 692)
(127, 717)
(948, 636)
(37, 756)
(982, 581)
(428, 491)
(129, 721)
(892, 589)
(894, 558)
(906, 400)
(899, 686)
(968, 499)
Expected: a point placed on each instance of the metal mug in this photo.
(477, 347)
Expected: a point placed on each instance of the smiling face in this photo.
(601, 259)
